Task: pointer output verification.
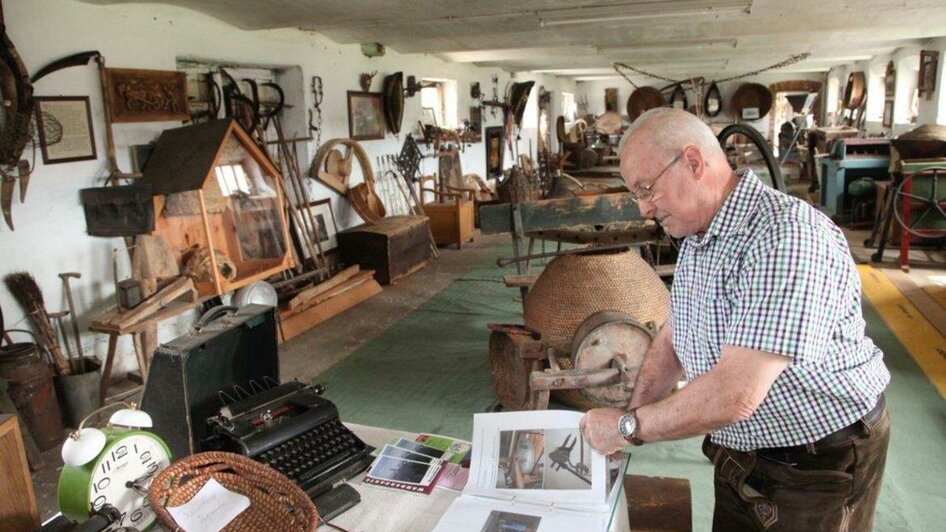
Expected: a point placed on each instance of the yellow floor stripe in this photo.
(938, 293)
(924, 343)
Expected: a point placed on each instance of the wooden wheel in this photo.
(611, 339)
(332, 164)
(920, 204)
(509, 371)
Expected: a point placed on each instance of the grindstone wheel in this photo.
(598, 340)
(920, 204)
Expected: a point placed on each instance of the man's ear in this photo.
(694, 162)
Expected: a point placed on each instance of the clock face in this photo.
(122, 474)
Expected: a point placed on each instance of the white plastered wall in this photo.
(50, 232)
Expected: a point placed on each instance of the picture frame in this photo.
(327, 227)
(890, 81)
(494, 151)
(70, 119)
(365, 115)
(888, 114)
(138, 95)
(926, 85)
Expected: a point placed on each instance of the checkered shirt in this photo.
(773, 274)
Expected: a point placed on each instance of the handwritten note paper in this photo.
(211, 509)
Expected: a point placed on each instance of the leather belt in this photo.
(835, 438)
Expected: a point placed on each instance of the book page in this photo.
(536, 456)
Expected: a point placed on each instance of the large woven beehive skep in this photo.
(573, 287)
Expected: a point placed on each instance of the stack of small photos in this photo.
(406, 465)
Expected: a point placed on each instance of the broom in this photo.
(27, 292)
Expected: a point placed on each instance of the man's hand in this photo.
(599, 427)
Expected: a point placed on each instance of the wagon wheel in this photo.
(609, 339)
(744, 146)
(920, 205)
(510, 372)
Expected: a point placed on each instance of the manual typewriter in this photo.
(290, 428)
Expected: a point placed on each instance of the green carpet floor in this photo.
(429, 373)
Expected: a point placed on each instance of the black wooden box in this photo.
(394, 247)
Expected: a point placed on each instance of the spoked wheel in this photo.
(747, 148)
(920, 204)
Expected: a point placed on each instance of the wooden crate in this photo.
(19, 510)
(451, 223)
(394, 247)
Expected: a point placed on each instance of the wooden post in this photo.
(210, 243)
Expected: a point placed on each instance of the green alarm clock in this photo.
(113, 466)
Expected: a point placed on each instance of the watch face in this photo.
(626, 425)
(122, 475)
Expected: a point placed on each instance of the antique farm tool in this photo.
(72, 312)
(16, 93)
(28, 294)
(333, 167)
(393, 90)
(589, 320)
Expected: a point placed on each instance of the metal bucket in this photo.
(79, 393)
(31, 388)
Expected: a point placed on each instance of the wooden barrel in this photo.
(644, 99)
(750, 97)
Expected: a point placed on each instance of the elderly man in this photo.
(766, 326)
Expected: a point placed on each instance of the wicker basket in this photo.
(517, 187)
(276, 503)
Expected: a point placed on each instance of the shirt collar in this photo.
(735, 211)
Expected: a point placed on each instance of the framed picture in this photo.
(750, 113)
(888, 113)
(890, 81)
(494, 151)
(365, 119)
(138, 95)
(65, 131)
(927, 82)
(325, 226)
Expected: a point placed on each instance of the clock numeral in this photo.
(145, 457)
(98, 503)
(102, 484)
(146, 501)
(121, 521)
(152, 467)
(119, 452)
(137, 515)
(106, 466)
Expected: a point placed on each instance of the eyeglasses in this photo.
(646, 193)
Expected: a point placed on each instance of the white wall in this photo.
(50, 227)
(594, 92)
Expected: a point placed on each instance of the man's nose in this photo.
(647, 208)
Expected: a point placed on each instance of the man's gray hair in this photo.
(680, 129)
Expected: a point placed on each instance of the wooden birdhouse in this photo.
(219, 205)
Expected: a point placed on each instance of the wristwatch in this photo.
(630, 428)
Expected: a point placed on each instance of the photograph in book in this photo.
(510, 522)
(399, 470)
(549, 459)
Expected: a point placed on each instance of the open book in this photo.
(532, 472)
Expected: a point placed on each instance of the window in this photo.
(569, 108)
(439, 101)
(905, 104)
(875, 91)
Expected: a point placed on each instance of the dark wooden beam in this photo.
(550, 214)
